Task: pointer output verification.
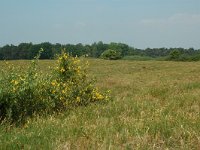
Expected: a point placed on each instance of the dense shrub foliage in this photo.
(177, 55)
(111, 54)
(27, 93)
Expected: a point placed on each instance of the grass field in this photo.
(156, 105)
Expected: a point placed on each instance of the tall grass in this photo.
(155, 106)
(138, 57)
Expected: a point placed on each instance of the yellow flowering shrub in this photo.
(27, 93)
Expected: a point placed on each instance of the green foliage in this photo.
(120, 47)
(29, 50)
(174, 55)
(180, 56)
(111, 54)
(27, 93)
(195, 57)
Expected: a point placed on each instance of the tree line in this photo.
(30, 50)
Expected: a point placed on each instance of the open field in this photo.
(156, 105)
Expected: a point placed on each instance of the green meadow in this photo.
(155, 105)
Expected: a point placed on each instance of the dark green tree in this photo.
(175, 54)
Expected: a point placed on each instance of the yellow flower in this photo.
(53, 92)
(61, 98)
(76, 61)
(14, 82)
(78, 99)
(62, 70)
(65, 56)
(99, 96)
(63, 91)
(53, 83)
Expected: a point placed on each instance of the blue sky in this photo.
(139, 23)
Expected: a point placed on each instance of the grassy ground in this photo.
(156, 105)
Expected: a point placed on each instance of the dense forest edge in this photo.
(98, 50)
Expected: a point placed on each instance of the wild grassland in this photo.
(156, 105)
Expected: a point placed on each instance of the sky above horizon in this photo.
(138, 23)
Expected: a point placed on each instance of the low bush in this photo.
(111, 54)
(184, 57)
(175, 54)
(195, 57)
(24, 94)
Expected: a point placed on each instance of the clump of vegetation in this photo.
(111, 54)
(27, 93)
(177, 55)
(174, 55)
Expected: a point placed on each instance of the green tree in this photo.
(48, 50)
(175, 54)
(23, 49)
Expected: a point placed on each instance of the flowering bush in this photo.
(27, 93)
